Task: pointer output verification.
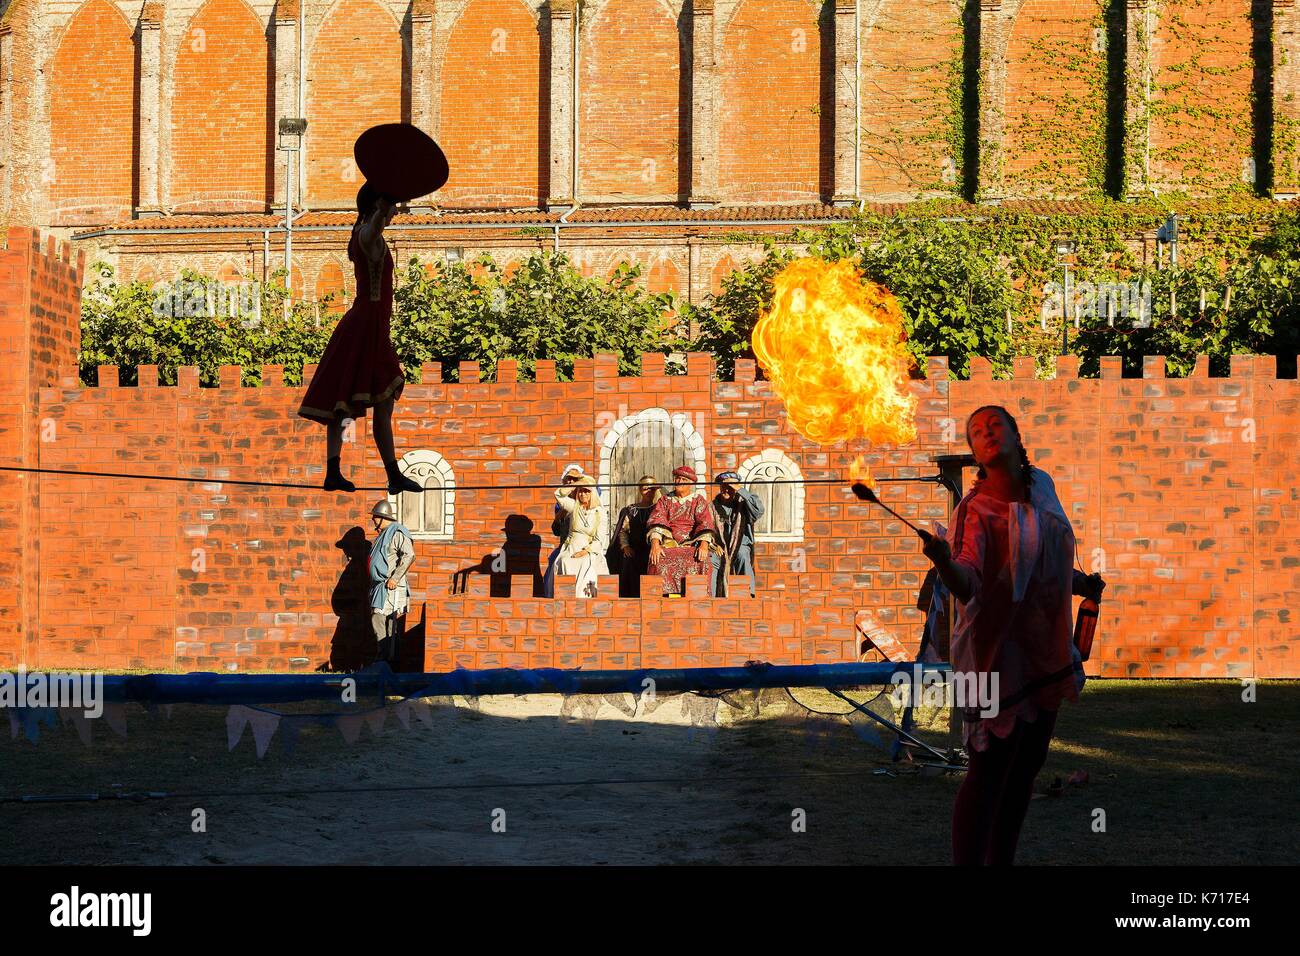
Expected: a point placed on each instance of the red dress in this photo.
(359, 367)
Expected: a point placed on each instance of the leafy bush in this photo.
(449, 313)
(954, 294)
(453, 312)
(135, 324)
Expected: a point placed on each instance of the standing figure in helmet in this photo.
(391, 557)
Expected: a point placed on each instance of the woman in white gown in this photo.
(583, 552)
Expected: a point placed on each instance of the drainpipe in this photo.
(577, 36)
(1146, 140)
(857, 105)
(565, 220)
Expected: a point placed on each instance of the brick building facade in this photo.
(1182, 488)
(149, 128)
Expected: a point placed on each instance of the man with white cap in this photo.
(391, 555)
(737, 509)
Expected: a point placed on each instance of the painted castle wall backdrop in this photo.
(1183, 488)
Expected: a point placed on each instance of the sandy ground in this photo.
(613, 789)
(1187, 774)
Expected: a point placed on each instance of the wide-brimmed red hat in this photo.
(400, 161)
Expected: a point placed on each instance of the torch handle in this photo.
(922, 533)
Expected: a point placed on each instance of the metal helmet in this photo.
(383, 509)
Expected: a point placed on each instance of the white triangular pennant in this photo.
(263, 725)
(403, 712)
(350, 726)
(423, 711)
(85, 728)
(236, 720)
(115, 717)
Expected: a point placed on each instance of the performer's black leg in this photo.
(382, 423)
(334, 480)
(383, 428)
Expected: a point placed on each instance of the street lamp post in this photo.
(1065, 250)
(291, 131)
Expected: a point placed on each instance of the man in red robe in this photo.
(681, 532)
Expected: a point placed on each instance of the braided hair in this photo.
(1026, 469)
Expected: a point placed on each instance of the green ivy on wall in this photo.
(1062, 122)
(1201, 124)
(919, 129)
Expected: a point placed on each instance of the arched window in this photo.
(777, 481)
(431, 515)
(651, 442)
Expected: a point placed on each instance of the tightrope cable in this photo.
(193, 479)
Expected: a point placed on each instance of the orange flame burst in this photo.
(858, 471)
(832, 346)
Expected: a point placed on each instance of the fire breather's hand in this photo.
(938, 551)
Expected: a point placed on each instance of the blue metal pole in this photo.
(208, 688)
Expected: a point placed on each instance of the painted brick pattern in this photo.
(1181, 487)
(39, 316)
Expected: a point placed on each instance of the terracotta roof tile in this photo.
(596, 215)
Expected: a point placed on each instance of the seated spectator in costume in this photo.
(682, 533)
(629, 552)
(737, 509)
(583, 551)
(559, 528)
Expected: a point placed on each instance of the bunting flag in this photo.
(288, 735)
(627, 703)
(866, 729)
(85, 727)
(236, 721)
(115, 717)
(349, 726)
(403, 712)
(699, 711)
(582, 707)
(423, 712)
(264, 725)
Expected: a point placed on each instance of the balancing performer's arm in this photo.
(371, 233)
